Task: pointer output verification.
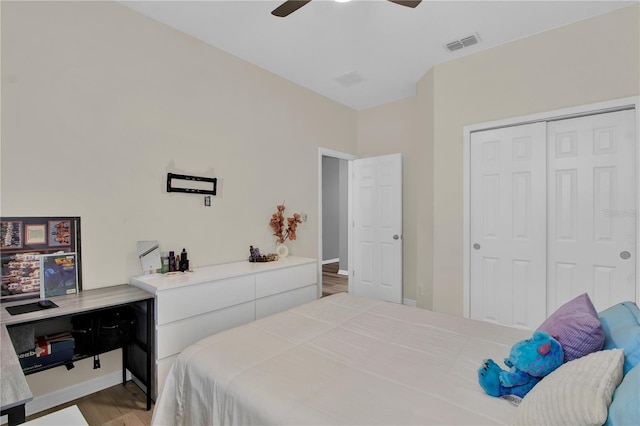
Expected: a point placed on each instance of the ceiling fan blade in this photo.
(288, 7)
(411, 4)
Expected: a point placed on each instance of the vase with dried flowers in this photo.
(282, 233)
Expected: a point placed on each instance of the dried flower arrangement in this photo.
(277, 224)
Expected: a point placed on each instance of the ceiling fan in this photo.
(291, 6)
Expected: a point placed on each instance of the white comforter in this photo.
(340, 360)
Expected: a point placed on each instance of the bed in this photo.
(341, 359)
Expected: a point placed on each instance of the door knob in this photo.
(396, 237)
(625, 255)
(476, 246)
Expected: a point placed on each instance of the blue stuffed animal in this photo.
(529, 361)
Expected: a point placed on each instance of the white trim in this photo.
(409, 302)
(466, 217)
(335, 154)
(599, 107)
(340, 271)
(350, 227)
(615, 104)
(343, 156)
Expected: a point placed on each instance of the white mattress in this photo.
(340, 360)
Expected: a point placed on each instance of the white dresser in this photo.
(193, 305)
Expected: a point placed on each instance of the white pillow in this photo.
(577, 393)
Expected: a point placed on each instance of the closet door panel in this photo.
(508, 225)
(592, 209)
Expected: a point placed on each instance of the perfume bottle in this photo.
(184, 261)
(172, 262)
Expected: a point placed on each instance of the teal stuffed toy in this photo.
(529, 361)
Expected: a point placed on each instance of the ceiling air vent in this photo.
(463, 42)
(349, 79)
(454, 45)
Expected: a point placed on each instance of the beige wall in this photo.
(99, 103)
(424, 192)
(589, 61)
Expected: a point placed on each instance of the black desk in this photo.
(14, 390)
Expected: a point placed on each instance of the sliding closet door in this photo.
(508, 225)
(592, 209)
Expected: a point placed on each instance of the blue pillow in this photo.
(621, 324)
(625, 407)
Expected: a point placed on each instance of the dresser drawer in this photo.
(174, 337)
(184, 302)
(279, 280)
(279, 302)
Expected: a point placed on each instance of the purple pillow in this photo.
(577, 327)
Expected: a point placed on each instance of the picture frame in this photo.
(59, 232)
(35, 234)
(10, 234)
(23, 240)
(58, 275)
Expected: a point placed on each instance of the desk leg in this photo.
(125, 359)
(15, 415)
(151, 324)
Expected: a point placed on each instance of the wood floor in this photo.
(332, 282)
(115, 406)
(125, 405)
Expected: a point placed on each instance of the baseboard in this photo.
(343, 272)
(52, 399)
(409, 302)
(324, 262)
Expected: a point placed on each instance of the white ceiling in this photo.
(387, 46)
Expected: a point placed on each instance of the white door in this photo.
(508, 229)
(377, 226)
(592, 209)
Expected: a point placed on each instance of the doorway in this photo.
(374, 225)
(334, 204)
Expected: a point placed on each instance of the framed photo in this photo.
(10, 234)
(58, 275)
(23, 241)
(59, 233)
(35, 234)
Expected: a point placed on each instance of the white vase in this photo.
(282, 250)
